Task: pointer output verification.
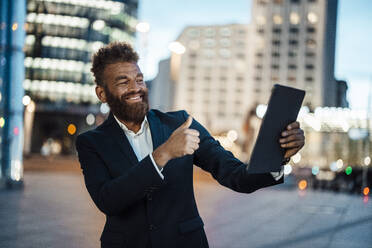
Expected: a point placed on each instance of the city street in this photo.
(54, 210)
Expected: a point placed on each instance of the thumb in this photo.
(187, 123)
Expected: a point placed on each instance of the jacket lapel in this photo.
(156, 128)
(116, 133)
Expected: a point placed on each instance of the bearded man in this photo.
(138, 164)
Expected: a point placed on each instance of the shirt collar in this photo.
(130, 132)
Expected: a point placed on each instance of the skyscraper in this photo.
(61, 37)
(295, 45)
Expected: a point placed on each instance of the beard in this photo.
(130, 112)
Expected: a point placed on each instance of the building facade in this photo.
(61, 37)
(295, 46)
(212, 77)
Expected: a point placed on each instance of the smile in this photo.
(134, 98)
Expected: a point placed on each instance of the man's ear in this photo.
(100, 92)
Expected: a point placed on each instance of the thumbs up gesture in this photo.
(183, 141)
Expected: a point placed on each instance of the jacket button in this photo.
(149, 197)
(151, 227)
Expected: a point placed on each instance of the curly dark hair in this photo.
(109, 54)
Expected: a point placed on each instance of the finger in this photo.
(192, 132)
(187, 123)
(290, 152)
(189, 151)
(293, 125)
(193, 146)
(293, 144)
(292, 137)
(293, 131)
(193, 139)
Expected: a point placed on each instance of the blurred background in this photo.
(216, 59)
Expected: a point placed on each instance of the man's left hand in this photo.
(293, 139)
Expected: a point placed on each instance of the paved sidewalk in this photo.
(54, 210)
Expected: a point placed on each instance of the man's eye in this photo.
(125, 82)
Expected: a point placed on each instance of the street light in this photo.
(143, 27)
(177, 48)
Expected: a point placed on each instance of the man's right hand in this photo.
(183, 141)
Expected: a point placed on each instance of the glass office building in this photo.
(61, 36)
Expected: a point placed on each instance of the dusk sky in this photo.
(168, 18)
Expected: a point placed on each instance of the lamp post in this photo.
(143, 28)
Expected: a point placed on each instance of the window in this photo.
(260, 31)
(193, 33)
(294, 18)
(225, 53)
(258, 66)
(240, 55)
(275, 54)
(192, 55)
(293, 30)
(311, 43)
(261, 20)
(276, 42)
(225, 42)
(311, 30)
(292, 66)
(312, 17)
(257, 78)
(293, 42)
(239, 78)
(259, 54)
(277, 30)
(275, 66)
(291, 79)
(310, 54)
(209, 42)
(275, 78)
(209, 32)
(277, 19)
(225, 32)
(309, 66)
(309, 79)
(292, 54)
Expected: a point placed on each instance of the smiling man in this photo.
(138, 165)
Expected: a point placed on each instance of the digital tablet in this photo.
(284, 104)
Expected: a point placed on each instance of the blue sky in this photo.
(353, 45)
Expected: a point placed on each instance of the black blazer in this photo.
(143, 210)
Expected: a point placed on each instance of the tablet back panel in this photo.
(284, 105)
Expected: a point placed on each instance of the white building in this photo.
(212, 78)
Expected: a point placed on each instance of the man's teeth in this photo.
(134, 98)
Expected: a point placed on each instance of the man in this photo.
(138, 164)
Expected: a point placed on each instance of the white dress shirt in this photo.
(141, 143)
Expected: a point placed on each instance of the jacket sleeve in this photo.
(113, 195)
(224, 167)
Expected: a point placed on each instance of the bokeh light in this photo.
(348, 170)
(302, 184)
(90, 119)
(2, 122)
(71, 129)
(366, 191)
